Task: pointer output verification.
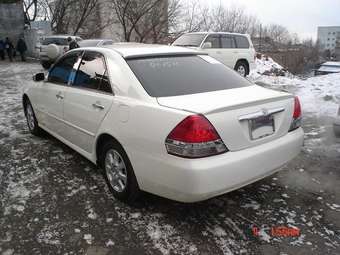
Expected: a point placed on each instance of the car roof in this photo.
(331, 63)
(61, 36)
(136, 50)
(222, 33)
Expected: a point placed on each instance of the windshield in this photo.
(193, 40)
(184, 75)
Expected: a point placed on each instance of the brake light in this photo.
(194, 137)
(296, 123)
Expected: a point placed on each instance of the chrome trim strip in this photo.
(262, 113)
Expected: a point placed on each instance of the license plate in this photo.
(261, 127)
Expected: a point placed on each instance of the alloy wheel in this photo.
(115, 170)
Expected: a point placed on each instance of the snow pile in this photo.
(319, 95)
(267, 66)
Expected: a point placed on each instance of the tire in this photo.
(242, 68)
(32, 121)
(46, 64)
(116, 165)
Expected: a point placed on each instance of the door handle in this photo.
(59, 96)
(218, 52)
(98, 106)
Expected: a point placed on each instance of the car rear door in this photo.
(51, 94)
(87, 101)
(244, 48)
(229, 51)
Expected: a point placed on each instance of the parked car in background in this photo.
(234, 50)
(167, 120)
(336, 124)
(95, 42)
(328, 68)
(53, 47)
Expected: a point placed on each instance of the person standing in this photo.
(72, 44)
(22, 48)
(9, 48)
(2, 49)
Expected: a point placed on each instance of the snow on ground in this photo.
(319, 95)
(53, 198)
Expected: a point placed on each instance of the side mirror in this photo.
(207, 45)
(39, 77)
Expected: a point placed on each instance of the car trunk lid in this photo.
(243, 117)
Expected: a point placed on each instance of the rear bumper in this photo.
(189, 180)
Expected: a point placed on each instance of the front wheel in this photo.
(32, 121)
(242, 68)
(118, 172)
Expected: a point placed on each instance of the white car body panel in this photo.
(142, 123)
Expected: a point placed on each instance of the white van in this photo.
(234, 50)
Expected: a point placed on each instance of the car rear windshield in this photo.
(193, 40)
(57, 41)
(184, 75)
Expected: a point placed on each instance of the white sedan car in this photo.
(167, 120)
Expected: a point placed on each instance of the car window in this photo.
(55, 40)
(61, 71)
(228, 42)
(92, 73)
(242, 42)
(215, 41)
(193, 40)
(184, 75)
(108, 43)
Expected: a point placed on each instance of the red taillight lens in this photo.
(296, 123)
(194, 137)
(297, 108)
(194, 129)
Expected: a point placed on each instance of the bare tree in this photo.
(141, 17)
(278, 33)
(68, 16)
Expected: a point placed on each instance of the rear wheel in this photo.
(242, 68)
(32, 122)
(118, 172)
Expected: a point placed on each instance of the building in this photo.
(12, 21)
(327, 37)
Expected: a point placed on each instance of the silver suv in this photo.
(53, 47)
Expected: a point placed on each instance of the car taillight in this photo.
(296, 123)
(194, 137)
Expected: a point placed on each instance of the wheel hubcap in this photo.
(30, 117)
(241, 70)
(115, 170)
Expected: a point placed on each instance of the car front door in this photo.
(51, 95)
(87, 101)
(215, 50)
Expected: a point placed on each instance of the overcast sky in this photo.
(299, 16)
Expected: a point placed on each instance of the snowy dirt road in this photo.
(54, 201)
